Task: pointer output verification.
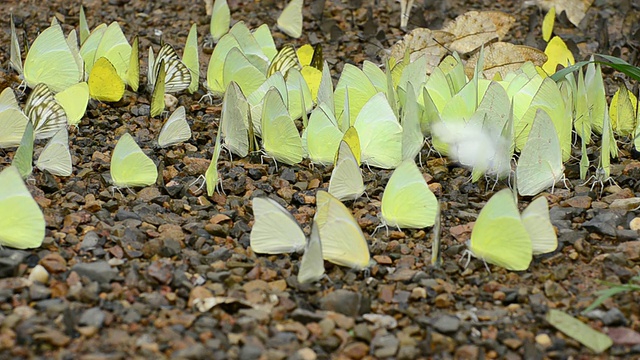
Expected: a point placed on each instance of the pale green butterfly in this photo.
(346, 178)
(412, 138)
(220, 19)
(55, 157)
(234, 121)
(22, 223)
(280, 137)
(380, 133)
(130, 166)
(175, 130)
(51, 61)
(312, 263)
(74, 101)
(499, 236)
(23, 158)
(190, 58)
(274, 230)
(536, 220)
(343, 242)
(407, 201)
(256, 99)
(290, 20)
(12, 120)
(322, 136)
(540, 163)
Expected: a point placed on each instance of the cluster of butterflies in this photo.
(372, 117)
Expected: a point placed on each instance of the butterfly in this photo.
(234, 121)
(44, 112)
(130, 166)
(55, 157)
(280, 137)
(540, 162)
(177, 74)
(343, 242)
(499, 236)
(346, 178)
(380, 133)
(537, 222)
(190, 58)
(274, 230)
(50, 61)
(175, 130)
(220, 19)
(12, 120)
(74, 101)
(23, 158)
(157, 96)
(311, 264)
(290, 20)
(22, 224)
(284, 60)
(104, 82)
(321, 137)
(407, 201)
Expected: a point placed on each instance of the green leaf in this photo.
(621, 66)
(594, 340)
(559, 75)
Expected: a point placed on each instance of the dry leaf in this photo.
(502, 57)
(476, 28)
(575, 9)
(422, 41)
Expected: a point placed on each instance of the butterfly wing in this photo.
(538, 224)
(23, 158)
(177, 74)
(407, 201)
(274, 230)
(290, 20)
(157, 97)
(235, 120)
(104, 82)
(346, 178)
(55, 157)
(312, 264)
(220, 19)
(12, 120)
(133, 73)
(175, 130)
(212, 177)
(130, 166)
(190, 58)
(499, 236)
(22, 224)
(343, 242)
(280, 137)
(44, 112)
(74, 100)
(51, 61)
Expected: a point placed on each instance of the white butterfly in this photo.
(44, 112)
(178, 75)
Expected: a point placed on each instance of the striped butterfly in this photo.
(178, 75)
(44, 112)
(283, 61)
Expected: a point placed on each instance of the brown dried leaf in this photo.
(422, 41)
(476, 28)
(575, 9)
(505, 57)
